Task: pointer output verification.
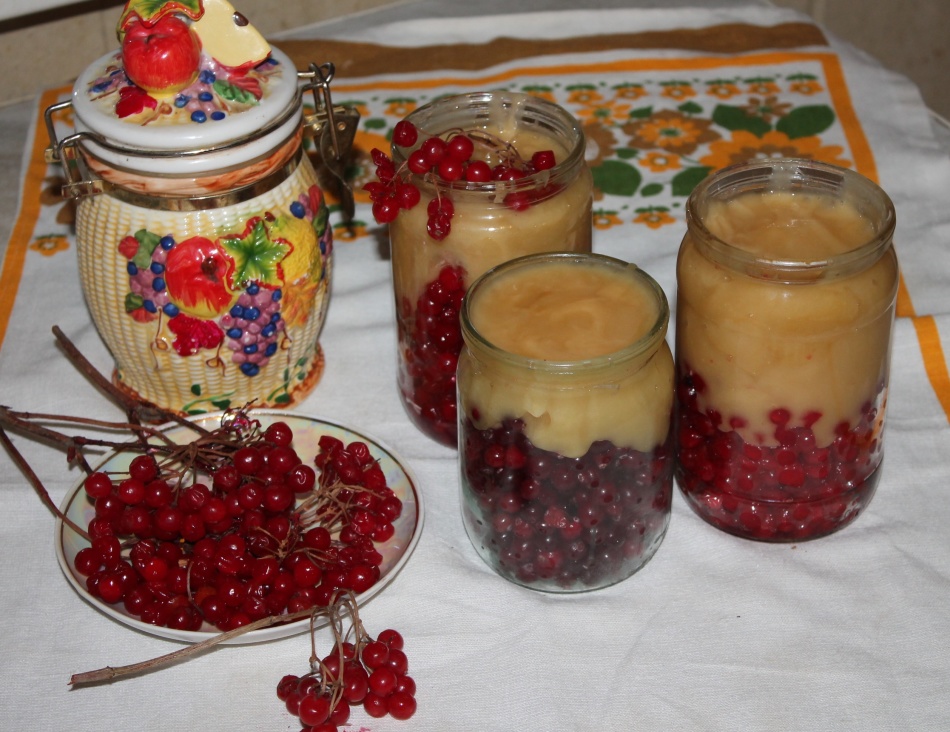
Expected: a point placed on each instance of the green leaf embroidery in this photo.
(615, 178)
(683, 183)
(652, 189)
(627, 153)
(690, 108)
(641, 112)
(376, 123)
(806, 121)
(735, 118)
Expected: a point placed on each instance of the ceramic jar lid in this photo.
(222, 120)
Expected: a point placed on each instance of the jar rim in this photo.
(528, 106)
(645, 343)
(792, 174)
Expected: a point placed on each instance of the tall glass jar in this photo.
(565, 391)
(787, 283)
(492, 222)
(202, 233)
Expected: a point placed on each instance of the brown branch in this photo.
(109, 673)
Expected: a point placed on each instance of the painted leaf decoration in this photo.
(616, 178)
(234, 93)
(256, 257)
(806, 121)
(150, 11)
(147, 244)
(133, 302)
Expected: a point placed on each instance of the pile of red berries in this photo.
(372, 672)
(791, 491)
(450, 157)
(236, 527)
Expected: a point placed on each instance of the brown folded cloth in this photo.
(354, 60)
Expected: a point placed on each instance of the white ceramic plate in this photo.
(307, 432)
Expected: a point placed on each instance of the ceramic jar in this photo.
(787, 283)
(492, 222)
(203, 242)
(565, 406)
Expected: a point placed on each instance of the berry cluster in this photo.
(359, 670)
(473, 156)
(430, 340)
(553, 522)
(792, 491)
(235, 527)
(253, 326)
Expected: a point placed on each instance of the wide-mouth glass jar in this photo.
(565, 390)
(491, 222)
(787, 284)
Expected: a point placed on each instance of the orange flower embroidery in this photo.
(399, 107)
(766, 109)
(677, 90)
(763, 87)
(608, 112)
(630, 91)
(49, 245)
(670, 131)
(659, 162)
(606, 219)
(805, 87)
(541, 92)
(722, 90)
(744, 146)
(654, 217)
(587, 95)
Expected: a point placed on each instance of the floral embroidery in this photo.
(672, 131)
(745, 146)
(50, 244)
(658, 162)
(654, 217)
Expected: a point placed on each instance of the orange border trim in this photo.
(26, 219)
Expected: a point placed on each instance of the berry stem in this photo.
(108, 673)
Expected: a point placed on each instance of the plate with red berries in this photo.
(235, 518)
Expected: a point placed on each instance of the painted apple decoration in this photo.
(228, 37)
(161, 57)
(198, 278)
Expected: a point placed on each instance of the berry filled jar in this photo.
(521, 186)
(565, 391)
(787, 283)
(202, 234)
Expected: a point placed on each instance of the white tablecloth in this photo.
(850, 632)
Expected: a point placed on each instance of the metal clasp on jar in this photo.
(332, 127)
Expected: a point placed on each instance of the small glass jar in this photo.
(489, 226)
(202, 233)
(565, 392)
(787, 284)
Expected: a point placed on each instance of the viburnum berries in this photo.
(454, 156)
(236, 527)
(359, 670)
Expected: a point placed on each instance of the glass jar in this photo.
(787, 283)
(202, 234)
(489, 226)
(565, 391)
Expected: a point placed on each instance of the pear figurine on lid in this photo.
(202, 234)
